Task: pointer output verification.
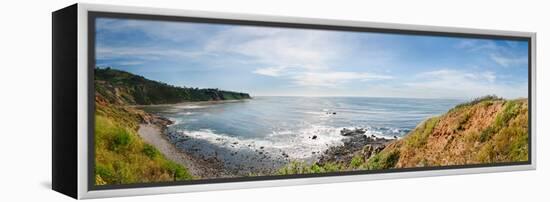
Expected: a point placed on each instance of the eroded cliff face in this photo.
(486, 130)
(483, 131)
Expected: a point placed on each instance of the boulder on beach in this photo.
(285, 155)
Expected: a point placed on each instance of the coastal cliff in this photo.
(486, 130)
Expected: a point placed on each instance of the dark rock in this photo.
(367, 152)
(349, 132)
(363, 145)
(379, 148)
(314, 137)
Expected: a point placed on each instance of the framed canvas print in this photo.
(150, 101)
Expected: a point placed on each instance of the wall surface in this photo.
(25, 85)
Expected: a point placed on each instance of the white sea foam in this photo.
(226, 140)
(296, 144)
(190, 106)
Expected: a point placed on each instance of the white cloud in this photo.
(130, 63)
(500, 54)
(304, 58)
(270, 71)
(508, 61)
(478, 45)
(143, 54)
(332, 79)
(489, 76)
(460, 84)
(282, 48)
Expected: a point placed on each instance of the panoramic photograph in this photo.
(180, 101)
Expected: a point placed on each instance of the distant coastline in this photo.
(124, 88)
(192, 103)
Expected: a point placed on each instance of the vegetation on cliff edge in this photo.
(485, 130)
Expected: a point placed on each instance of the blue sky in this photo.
(303, 62)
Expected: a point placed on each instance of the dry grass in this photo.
(121, 156)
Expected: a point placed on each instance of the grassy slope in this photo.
(126, 88)
(486, 130)
(121, 156)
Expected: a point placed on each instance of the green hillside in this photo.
(122, 87)
(121, 156)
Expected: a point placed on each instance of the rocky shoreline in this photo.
(153, 130)
(355, 143)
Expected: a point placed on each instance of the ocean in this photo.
(264, 133)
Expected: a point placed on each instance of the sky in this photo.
(273, 61)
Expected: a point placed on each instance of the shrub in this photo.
(419, 136)
(295, 167)
(479, 100)
(357, 161)
(511, 110)
(486, 134)
(106, 173)
(121, 139)
(150, 151)
(463, 119)
(383, 160)
(178, 172)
